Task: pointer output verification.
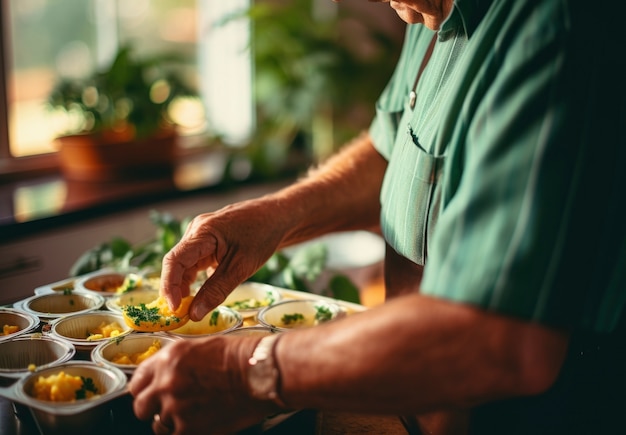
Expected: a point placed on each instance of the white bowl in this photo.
(132, 344)
(76, 328)
(250, 297)
(17, 354)
(299, 313)
(220, 320)
(49, 306)
(26, 322)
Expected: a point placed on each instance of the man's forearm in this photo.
(417, 354)
(341, 194)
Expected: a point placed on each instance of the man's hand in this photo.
(234, 242)
(198, 386)
(230, 244)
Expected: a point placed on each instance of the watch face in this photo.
(262, 380)
(262, 375)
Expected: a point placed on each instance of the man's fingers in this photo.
(180, 267)
(138, 386)
(214, 290)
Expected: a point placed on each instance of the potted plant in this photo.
(118, 117)
(316, 80)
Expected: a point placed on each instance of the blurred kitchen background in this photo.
(278, 85)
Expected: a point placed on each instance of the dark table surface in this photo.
(16, 419)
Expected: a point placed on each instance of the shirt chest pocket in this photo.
(410, 197)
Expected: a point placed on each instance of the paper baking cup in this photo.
(227, 320)
(18, 354)
(136, 297)
(130, 344)
(76, 328)
(80, 416)
(258, 331)
(252, 291)
(109, 283)
(26, 322)
(54, 305)
(273, 316)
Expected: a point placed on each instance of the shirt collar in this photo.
(468, 13)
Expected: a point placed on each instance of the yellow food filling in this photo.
(131, 282)
(296, 320)
(137, 357)
(105, 330)
(63, 388)
(157, 315)
(10, 329)
(250, 303)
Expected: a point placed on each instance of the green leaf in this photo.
(341, 287)
(310, 261)
(93, 259)
(119, 247)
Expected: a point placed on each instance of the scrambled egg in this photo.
(137, 357)
(105, 330)
(63, 388)
(9, 329)
(156, 315)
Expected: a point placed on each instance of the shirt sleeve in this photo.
(529, 219)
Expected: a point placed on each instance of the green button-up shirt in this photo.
(512, 149)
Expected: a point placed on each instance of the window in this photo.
(44, 40)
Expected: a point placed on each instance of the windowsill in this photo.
(48, 201)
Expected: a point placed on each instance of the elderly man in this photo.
(493, 168)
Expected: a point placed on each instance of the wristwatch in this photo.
(263, 374)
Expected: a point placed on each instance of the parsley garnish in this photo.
(141, 313)
(88, 385)
(288, 319)
(215, 315)
(323, 314)
(130, 283)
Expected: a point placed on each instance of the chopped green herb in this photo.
(289, 319)
(142, 314)
(67, 290)
(323, 313)
(130, 283)
(72, 302)
(244, 304)
(88, 385)
(215, 315)
(247, 304)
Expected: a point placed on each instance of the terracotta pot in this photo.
(90, 157)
